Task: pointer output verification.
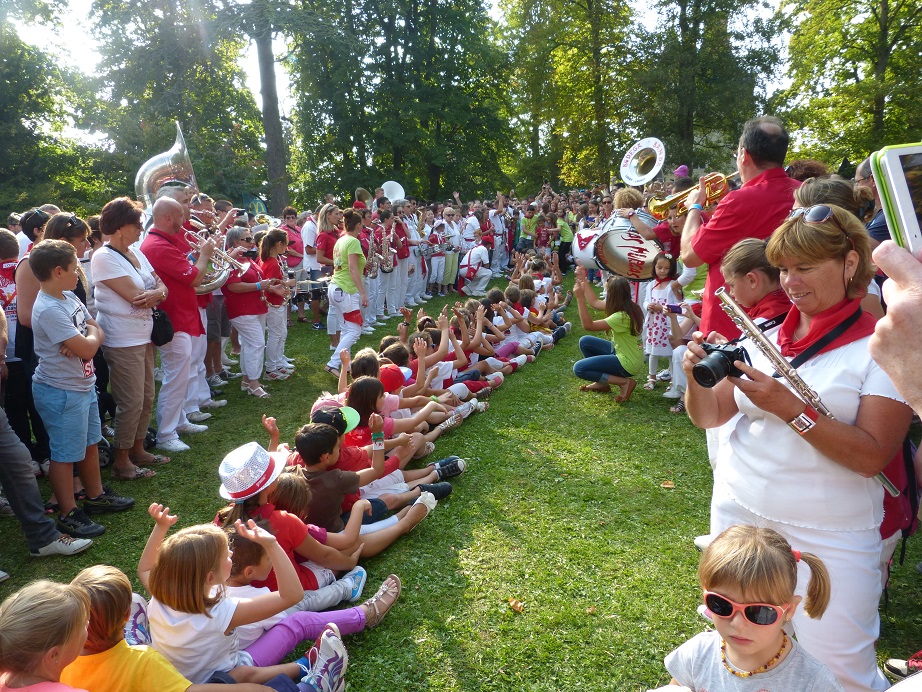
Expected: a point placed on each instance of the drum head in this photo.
(627, 254)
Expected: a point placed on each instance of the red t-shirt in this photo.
(436, 239)
(168, 255)
(325, 243)
(753, 211)
(401, 244)
(296, 243)
(248, 302)
(542, 236)
(290, 532)
(272, 269)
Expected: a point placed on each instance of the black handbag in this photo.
(162, 331)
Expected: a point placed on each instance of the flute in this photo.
(782, 366)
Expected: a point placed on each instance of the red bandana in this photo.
(772, 305)
(821, 325)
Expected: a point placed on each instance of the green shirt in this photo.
(566, 233)
(345, 246)
(625, 345)
(529, 226)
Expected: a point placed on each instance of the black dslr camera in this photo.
(718, 363)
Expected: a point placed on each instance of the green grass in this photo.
(561, 508)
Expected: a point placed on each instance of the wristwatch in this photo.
(805, 421)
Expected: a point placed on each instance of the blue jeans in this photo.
(599, 361)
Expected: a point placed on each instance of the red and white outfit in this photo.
(476, 264)
(436, 259)
(247, 312)
(276, 317)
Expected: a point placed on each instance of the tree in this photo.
(855, 71)
(164, 61)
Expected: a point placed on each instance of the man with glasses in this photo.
(877, 226)
(754, 211)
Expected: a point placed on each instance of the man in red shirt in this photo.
(754, 211)
(167, 250)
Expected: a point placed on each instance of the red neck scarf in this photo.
(822, 324)
(772, 305)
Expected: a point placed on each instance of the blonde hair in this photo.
(526, 282)
(819, 242)
(628, 198)
(37, 618)
(842, 193)
(748, 255)
(760, 563)
(109, 593)
(293, 492)
(179, 578)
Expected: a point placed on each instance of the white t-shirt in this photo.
(24, 244)
(309, 236)
(499, 222)
(477, 256)
(247, 634)
(196, 643)
(123, 324)
(453, 233)
(697, 665)
(775, 473)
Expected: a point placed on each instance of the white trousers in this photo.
(843, 639)
(342, 303)
(252, 332)
(500, 257)
(390, 285)
(436, 271)
(416, 284)
(277, 333)
(175, 359)
(198, 391)
(403, 279)
(679, 378)
(479, 283)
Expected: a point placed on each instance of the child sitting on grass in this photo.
(748, 576)
(42, 630)
(107, 663)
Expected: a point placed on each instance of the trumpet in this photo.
(218, 256)
(715, 185)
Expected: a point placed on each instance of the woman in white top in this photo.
(126, 290)
(787, 467)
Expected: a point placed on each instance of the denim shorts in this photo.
(71, 419)
(379, 511)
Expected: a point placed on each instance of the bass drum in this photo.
(626, 253)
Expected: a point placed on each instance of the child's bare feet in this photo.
(626, 390)
(595, 387)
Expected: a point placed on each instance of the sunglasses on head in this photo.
(756, 613)
(818, 213)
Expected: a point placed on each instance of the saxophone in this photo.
(782, 366)
(374, 259)
(388, 253)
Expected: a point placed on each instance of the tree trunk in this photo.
(880, 73)
(276, 158)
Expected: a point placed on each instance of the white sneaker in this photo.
(63, 545)
(227, 360)
(702, 542)
(412, 303)
(191, 428)
(173, 446)
(3, 575)
(368, 330)
(212, 403)
(36, 468)
(427, 296)
(215, 381)
(277, 375)
(5, 509)
(197, 416)
(158, 374)
(672, 393)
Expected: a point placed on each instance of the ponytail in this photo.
(818, 588)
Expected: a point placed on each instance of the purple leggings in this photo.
(508, 350)
(282, 639)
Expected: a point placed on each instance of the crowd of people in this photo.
(814, 483)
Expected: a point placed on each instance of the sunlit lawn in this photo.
(561, 508)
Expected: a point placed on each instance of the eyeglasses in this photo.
(756, 613)
(818, 213)
(248, 239)
(858, 180)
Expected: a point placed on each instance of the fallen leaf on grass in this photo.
(516, 605)
(591, 610)
(667, 484)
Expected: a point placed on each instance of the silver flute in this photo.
(782, 366)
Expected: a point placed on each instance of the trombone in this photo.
(715, 185)
(219, 256)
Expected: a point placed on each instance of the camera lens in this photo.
(711, 369)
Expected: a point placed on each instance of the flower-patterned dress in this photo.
(656, 327)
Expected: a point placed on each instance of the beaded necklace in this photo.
(761, 669)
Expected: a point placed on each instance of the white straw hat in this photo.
(248, 470)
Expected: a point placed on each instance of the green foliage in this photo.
(164, 61)
(410, 91)
(856, 72)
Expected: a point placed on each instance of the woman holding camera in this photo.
(245, 300)
(786, 466)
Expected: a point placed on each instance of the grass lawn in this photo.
(561, 508)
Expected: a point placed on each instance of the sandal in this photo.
(303, 319)
(650, 385)
(450, 423)
(138, 473)
(377, 605)
(480, 406)
(427, 449)
(154, 460)
(333, 371)
(258, 392)
(679, 407)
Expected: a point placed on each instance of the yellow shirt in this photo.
(123, 668)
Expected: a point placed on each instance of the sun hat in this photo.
(391, 377)
(248, 470)
(343, 418)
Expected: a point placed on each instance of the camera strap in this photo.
(820, 344)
